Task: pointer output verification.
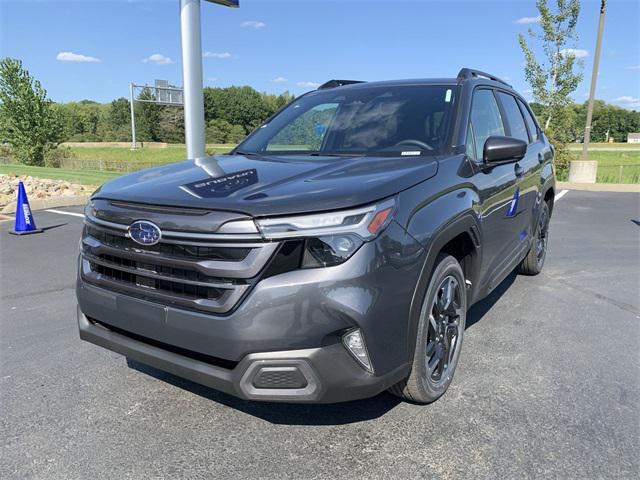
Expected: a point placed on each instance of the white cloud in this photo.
(220, 55)
(158, 59)
(253, 24)
(633, 67)
(528, 20)
(279, 80)
(76, 57)
(576, 52)
(308, 84)
(628, 101)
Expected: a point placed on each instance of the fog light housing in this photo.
(354, 343)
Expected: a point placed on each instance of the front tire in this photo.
(440, 333)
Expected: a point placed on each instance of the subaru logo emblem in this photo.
(144, 233)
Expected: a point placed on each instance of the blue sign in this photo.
(227, 3)
(513, 208)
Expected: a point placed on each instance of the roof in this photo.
(634, 135)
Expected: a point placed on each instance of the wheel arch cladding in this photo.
(459, 240)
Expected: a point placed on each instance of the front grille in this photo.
(173, 250)
(196, 275)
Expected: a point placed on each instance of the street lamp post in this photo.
(585, 170)
(190, 34)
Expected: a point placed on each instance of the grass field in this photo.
(173, 153)
(84, 177)
(608, 146)
(614, 167)
(94, 165)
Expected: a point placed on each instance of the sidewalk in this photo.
(600, 187)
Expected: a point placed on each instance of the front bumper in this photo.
(326, 374)
(283, 342)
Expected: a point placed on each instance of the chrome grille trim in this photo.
(169, 234)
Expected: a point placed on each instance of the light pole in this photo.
(586, 170)
(190, 34)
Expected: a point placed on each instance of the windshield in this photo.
(377, 120)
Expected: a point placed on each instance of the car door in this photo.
(527, 169)
(497, 187)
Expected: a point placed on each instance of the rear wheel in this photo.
(534, 261)
(440, 332)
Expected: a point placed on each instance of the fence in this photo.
(107, 165)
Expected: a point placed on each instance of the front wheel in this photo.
(534, 261)
(440, 332)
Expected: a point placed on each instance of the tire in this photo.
(442, 321)
(534, 261)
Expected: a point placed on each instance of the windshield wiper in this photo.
(331, 154)
(247, 154)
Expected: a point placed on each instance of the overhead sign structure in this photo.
(226, 3)
(190, 33)
(161, 94)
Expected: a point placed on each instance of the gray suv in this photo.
(334, 253)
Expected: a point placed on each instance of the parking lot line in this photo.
(561, 194)
(62, 212)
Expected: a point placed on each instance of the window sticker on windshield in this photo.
(221, 186)
(447, 96)
(410, 152)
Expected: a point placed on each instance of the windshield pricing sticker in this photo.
(221, 186)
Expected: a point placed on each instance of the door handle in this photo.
(519, 170)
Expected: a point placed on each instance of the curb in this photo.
(600, 187)
(44, 203)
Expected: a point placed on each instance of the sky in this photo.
(93, 49)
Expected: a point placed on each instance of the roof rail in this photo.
(467, 73)
(338, 83)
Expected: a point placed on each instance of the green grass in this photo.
(609, 166)
(83, 177)
(119, 159)
(173, 153)
(596, 146)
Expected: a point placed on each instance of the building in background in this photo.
(633, 137)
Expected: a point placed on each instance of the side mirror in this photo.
(499, 150)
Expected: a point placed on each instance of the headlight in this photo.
(365, 222)
(324, 239)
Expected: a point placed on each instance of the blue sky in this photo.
(93, 49)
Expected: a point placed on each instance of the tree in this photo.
(554, 78)
(237, 105)
(119, 120)
(28, 119)
(147, 118)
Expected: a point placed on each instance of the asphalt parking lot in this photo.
(548, 384)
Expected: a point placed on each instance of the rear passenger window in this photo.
(533, 129)
(485, 119)
(514, 117)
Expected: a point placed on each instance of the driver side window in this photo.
(485, 121)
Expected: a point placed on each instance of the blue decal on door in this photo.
(513, 208)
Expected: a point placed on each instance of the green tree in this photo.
(119, 120)
(28, 119)
(553, 78)
(237, 105)
(147, 118)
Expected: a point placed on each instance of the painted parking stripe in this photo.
(560, 195)
(62, 212)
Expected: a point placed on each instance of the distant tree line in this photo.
(230, 114)
(609, 122)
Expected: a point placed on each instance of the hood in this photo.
(259, 186)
